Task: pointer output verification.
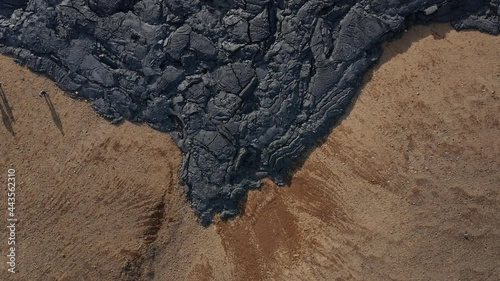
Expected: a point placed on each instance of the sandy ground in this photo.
(406, 187)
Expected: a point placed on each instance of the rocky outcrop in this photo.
(245, 87)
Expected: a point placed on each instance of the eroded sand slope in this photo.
(407, 187)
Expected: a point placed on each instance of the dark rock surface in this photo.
(245, 87)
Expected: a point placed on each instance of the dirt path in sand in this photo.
(407, 187)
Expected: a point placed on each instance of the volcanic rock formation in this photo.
(245, 87)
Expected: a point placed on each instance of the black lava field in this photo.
(245, 87)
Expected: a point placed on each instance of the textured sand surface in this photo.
(407, 187)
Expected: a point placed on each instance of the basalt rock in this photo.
(245, 87)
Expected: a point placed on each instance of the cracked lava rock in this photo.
(244, 87)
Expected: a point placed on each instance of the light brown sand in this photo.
(91, 202)
(407, 187)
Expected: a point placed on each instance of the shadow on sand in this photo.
(54, 114)
(8, 108)
(7, 122)
(6, 111)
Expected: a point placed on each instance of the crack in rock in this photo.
(246, 87)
